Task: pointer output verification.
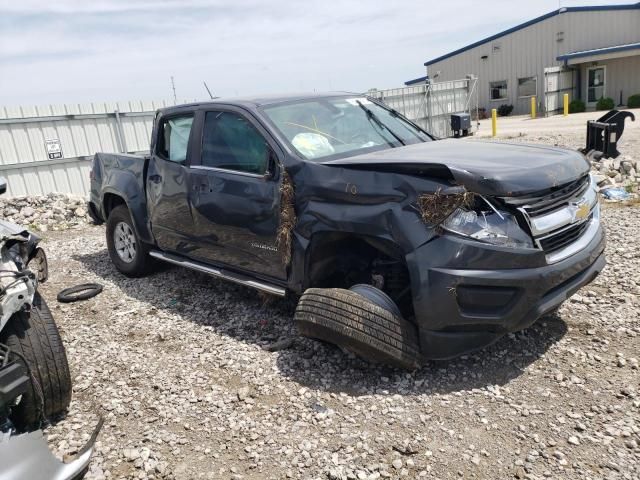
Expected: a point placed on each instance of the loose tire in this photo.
(127, 252)
(35, 337)
(83, 291)
(349, 320)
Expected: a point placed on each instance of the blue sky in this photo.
(70, 51)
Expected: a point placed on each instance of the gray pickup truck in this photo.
(402, 247)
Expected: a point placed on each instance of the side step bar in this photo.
(218, 272)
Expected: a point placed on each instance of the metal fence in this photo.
(48, 149)
(430, 105)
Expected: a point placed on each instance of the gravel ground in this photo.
(179, 365)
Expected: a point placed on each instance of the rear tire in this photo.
(127, 252)
(351, 321)
(35, 336)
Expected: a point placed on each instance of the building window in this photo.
(498, 90)
(527, 87)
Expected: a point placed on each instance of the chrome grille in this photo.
(557, 218)
(560, 239)
(541, 203)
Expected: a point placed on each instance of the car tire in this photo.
(35, 338)
(127, 252)
(349, 320)
(83, 291)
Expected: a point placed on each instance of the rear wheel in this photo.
(350, 320)
(127, 252)
(35, 338)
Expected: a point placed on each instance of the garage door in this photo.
(557, 82)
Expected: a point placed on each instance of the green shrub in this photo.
(577, 106)
(505, 110)
(605, 103)
(634, 101)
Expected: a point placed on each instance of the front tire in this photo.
(347, 319)
(35, 337)
(127, 252)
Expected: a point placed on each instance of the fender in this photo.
(124, 176)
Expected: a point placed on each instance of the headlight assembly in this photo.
(490, 226)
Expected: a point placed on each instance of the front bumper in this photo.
(467, 294)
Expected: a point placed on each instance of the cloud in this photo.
(70, 51)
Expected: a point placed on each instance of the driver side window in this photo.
(230, 142)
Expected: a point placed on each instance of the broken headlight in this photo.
(490, 226)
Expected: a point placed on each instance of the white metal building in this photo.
(588, 52)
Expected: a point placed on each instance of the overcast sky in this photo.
(64, 51)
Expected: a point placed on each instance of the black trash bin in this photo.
(460, 124)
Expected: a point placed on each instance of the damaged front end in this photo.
(486, 252)
(23, 265)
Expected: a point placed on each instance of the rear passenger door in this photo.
(168, 184)
(238, 203)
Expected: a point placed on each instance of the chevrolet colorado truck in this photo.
(402, 247)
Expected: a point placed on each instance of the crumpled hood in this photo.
(488, 168)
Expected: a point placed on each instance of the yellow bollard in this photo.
(494, 122)
(533, 107)
(566, 104)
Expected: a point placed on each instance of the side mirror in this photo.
(3, 185)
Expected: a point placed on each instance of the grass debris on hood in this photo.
(436, 207)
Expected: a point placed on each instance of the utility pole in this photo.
(173, 87)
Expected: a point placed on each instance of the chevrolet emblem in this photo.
(581, 211)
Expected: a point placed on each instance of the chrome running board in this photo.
(218, 272)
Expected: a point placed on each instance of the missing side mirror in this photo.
(272, 163)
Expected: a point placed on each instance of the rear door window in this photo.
(174, 138)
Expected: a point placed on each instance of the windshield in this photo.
(329, 128)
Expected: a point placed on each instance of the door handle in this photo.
(155, 178)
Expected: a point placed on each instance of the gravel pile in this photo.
(55, 211)
(197, 378)
(623, 171)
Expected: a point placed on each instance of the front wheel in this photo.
(127, 252)
(348, 319)
(34, 337)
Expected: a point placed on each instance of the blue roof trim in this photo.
(598, 51)
(595, 8)
(415, 80)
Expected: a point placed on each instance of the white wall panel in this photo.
(24, 129)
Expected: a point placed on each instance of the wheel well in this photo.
(341, 260)
(111, 201)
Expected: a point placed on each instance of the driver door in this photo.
(237, 207)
